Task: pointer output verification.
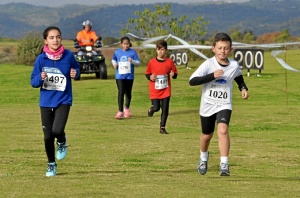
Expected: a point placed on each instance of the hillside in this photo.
(260, 17)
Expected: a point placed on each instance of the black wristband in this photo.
(243, 86)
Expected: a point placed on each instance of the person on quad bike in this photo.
(87, 37)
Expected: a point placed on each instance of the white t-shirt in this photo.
(217, 94)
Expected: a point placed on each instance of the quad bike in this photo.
(90, 61)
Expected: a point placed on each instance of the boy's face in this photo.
(222, 49)
(161, 52)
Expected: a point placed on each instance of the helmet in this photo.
(87, 23)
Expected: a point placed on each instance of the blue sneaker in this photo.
(51, 169)
(61, 150)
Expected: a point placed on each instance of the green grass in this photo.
(129, 158)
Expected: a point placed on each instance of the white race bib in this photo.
(55, 80)
(124, 67)
(217, 94)
(161, 82)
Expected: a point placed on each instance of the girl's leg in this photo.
(121, 93)
(128, 92)
(60, 121)
(47, 117)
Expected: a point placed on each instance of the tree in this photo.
(284, 36)
(28, 49)
(276, 37)
(160, 22)
(245, 37)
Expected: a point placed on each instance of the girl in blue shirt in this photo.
(124, 60)
(52, 73)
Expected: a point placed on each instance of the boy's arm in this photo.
(242, 86)
(241, 83)
(199, 80)
(148, 76)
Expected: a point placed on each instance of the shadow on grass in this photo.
(93, 77)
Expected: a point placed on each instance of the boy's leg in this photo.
(204, 141)
(224, 140)
(164, 111)
(223, 119)
(155, 106)
(208, 127)
(164, 114)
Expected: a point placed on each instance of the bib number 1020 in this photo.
(218, 94)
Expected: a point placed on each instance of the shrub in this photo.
(29, 48)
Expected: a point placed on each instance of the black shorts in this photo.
(208, 123)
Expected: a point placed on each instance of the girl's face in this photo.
(161, 52)
(125, 45)
(53, 40)
(222, 50)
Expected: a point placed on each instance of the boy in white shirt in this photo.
(217, 74)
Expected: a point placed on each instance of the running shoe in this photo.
(224, 169)
(150, 112)
(120, 115)
(203, 166)
(61, 150)
(127, 112)
(51, 169)
(163, 130)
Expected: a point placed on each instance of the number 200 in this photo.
(249, 58)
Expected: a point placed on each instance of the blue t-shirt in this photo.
(56, 89)
(121, 57)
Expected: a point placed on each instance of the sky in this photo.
(55, 3)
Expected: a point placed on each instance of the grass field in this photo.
(129, 158)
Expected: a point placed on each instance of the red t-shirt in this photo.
(161, 69)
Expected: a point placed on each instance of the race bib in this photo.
(217, 94)
(124, 67)
(55, 80)
(161, 82)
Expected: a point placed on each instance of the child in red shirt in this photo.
(158, 72)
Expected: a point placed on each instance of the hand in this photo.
(73, 73)
(153, 77)
(245, 94)
(115, 66)
(218, 73)
(43, 75)
(129, 59)
(171, 74)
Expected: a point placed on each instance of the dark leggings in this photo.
(164, 103)
(124, 89)
(53, 122)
